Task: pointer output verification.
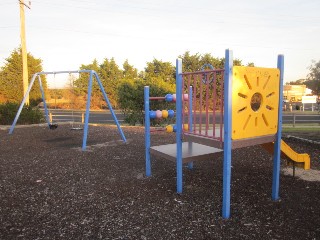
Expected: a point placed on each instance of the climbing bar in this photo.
(170, 98)
(157, 98)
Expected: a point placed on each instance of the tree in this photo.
(159, 70)
(11, 85)
(131, 98)
(192, 63)
(313, 78)
(81, 84)
(129, 72)
(297, 82)
(217, 63)
(110, 75)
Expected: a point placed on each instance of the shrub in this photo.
(28, 114)
(131, 98)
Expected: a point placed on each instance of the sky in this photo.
(68, 33)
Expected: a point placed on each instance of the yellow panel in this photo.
(255, 101)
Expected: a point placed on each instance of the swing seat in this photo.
(53, 126)
(76, 128)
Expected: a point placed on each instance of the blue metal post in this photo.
(277, 145)
(227, 117)
(22, 104)
(190, 123)
(179, 124)
(110, 107)
(44, 101)
(147, 130)
(86, 119)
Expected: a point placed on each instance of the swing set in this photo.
(51, 125)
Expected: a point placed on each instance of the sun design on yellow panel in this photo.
(255, 101)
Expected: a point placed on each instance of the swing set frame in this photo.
(92, 74)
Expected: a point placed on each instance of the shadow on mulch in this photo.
(50, 189)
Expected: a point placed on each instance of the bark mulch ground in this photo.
(50, 189)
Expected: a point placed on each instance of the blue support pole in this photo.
(22, 103)
(190, 123)
(147, 130)
(179, 124)
(86, 119)
(277, 145)
(110, 107)
(44, 101)
(227, 142)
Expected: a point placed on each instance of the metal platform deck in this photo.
(209, 140)
(190, 151)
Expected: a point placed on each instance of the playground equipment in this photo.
(86, 120)
(301, 160)
(227, 108)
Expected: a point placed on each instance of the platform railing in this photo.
(206, 105)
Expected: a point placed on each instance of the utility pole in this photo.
(24, 49)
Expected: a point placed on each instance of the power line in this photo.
(26, 5)
(7, 3)
(205, 11)
(253, 44)
(16, 26)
